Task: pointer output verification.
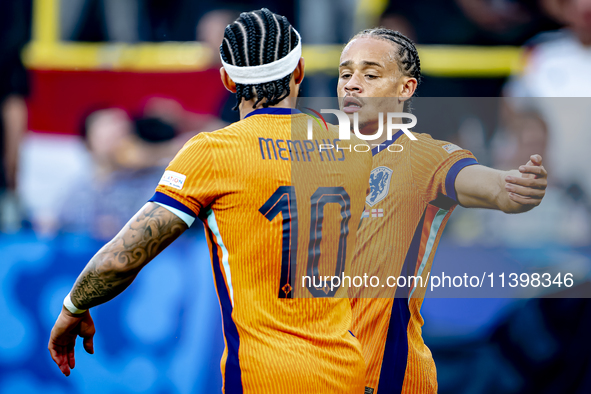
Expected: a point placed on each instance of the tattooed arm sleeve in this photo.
(117, 264)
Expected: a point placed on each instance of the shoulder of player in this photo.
(205, 141)
(247, 126)
(211, 137)
(427, 139)
(426, 143)
(423, 139)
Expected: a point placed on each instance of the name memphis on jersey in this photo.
(299, 150)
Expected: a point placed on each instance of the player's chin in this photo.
(351, 116)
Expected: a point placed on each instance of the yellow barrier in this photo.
(46, 51)
(470, 61)
(149, 57)
(443, 61)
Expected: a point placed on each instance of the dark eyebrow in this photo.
(365, 63)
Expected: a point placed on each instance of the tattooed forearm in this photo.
(116, 265)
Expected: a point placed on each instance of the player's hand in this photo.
(63, 338)
(529, 188)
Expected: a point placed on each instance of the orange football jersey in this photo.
(412, 196)
(269, 199)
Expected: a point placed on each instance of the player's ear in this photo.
(227, 81)
(407, 88)
(298, 73)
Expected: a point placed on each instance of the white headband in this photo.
(252, 75)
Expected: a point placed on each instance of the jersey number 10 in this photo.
(284, 201)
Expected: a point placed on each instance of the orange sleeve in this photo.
(188, 184)
(435, 166)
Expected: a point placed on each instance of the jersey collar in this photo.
(386, 144)
(274, 111)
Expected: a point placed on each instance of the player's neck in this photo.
(246, 106)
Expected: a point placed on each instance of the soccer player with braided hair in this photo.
(414, 187)
(263, 201)
(256, 39)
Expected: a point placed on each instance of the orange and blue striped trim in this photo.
(233, 372)
(452, 174)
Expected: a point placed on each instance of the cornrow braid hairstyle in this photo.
(257, 38)
(406, 55)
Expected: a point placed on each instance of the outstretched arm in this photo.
(108, 273)
(509, 191)
(117, 264)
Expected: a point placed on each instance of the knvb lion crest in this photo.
(379, 182)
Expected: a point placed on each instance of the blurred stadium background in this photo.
(97, 95)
